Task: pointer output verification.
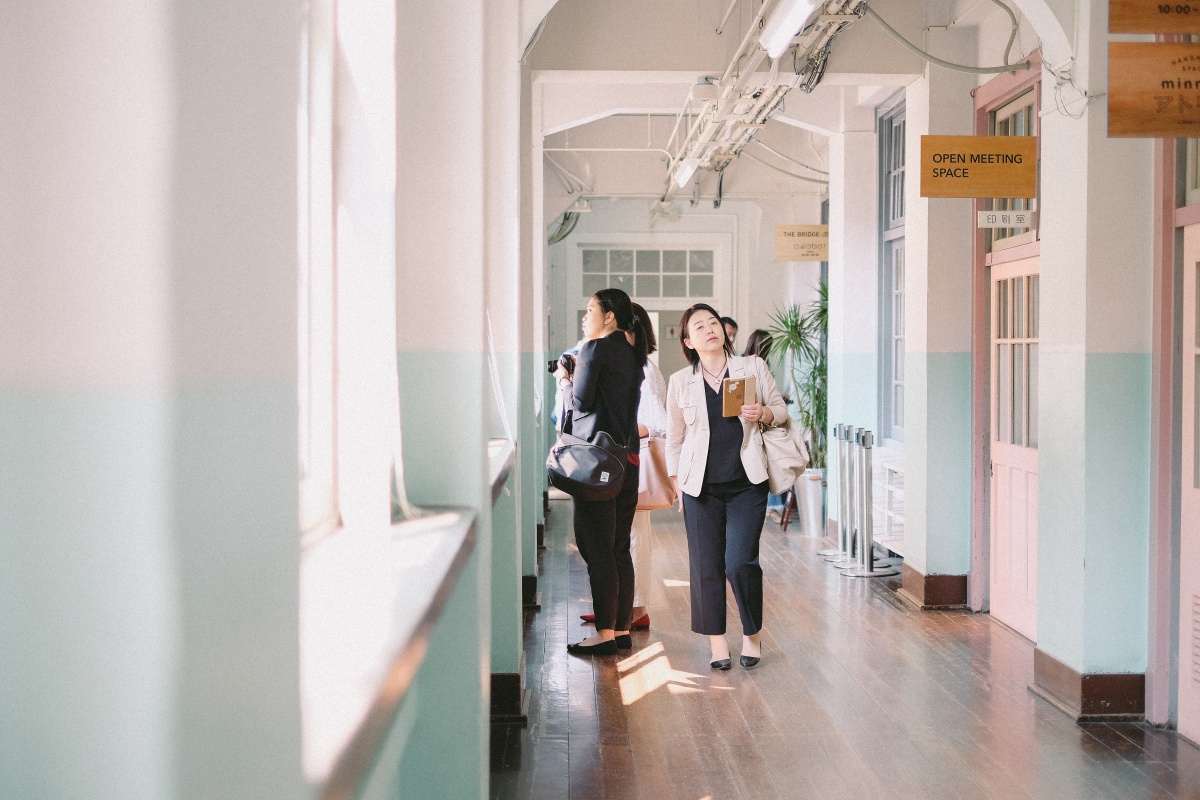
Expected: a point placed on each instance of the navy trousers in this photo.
(723, 526)
(602, 533)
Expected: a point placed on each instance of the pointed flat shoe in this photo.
(749, 661)
(608, 648)
(624, 641)
(721, 664)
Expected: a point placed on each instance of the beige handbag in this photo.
(786, 454)
(655, 488)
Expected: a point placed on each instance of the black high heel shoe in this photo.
(749, 661)
(608, 648)
(721, 664)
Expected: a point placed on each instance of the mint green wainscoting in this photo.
(853, 381)
(1093, 501)
(937, 462)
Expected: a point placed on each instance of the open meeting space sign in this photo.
(978, 166)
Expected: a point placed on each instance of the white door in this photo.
(1014, 467)
(1189, 548)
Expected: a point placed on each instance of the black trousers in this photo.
(602, 533)
(723, 526)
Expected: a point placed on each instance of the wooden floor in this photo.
(857, 696)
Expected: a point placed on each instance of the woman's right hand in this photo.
(678, 494)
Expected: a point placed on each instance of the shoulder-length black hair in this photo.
(617, 303)
(691, 355)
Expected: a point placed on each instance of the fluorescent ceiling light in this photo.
(687, 168)
(784, 23)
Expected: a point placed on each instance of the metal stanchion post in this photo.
(866, 541)
(848, 532)
(841, 460)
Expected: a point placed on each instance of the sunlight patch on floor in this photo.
(650, 669)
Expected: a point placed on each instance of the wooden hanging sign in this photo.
(1153, 89)
(801, 242)
(1153, 16)
(978, 166)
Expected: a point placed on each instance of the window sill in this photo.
(502, 454)
(369, 601)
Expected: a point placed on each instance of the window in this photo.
(317, 317)
(1016, 337)
(1015, 118)
(891, 277)
(650, 273)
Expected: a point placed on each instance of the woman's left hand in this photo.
(756, 412)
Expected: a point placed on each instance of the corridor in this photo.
(858, 696)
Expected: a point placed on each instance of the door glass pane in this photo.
(593, 284)
(1004, 392)
(1019, 307)
(622, 282)
(1034, 305)
(701, 261)
(1018, 394)
(648, 286)
(1033, 395)
(1002, 310)
(702, 286)
(595, 261)
(647, 260)
(674, 286)
(674, 261)
(898, 405)
(620, 261)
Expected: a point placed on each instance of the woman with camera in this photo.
(719, 466)
(602, 395)
(652, 424)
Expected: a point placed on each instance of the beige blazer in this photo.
(687, 431)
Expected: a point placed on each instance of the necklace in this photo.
(714, 377)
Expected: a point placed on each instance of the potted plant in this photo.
(798, 349)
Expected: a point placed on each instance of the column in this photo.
(503, 280)
(441, 280)
(1094, 389)
(939, 239)
(853, 375)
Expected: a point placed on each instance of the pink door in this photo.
(1014, 460)
(1189, 547)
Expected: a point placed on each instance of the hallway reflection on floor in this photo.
(858, 696)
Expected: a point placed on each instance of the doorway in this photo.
(1014, 440)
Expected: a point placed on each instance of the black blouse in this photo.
(724, 442)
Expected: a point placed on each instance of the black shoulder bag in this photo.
(587, 465)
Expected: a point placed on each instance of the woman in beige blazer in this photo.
(719, 466)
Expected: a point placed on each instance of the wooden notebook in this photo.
(735, 393)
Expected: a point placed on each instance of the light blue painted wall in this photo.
(149, 565)
(1062, 412)
(852, 379)
(507, 614)
(235, 535)
(1116, 553)
(946, 465)
(531, 462)
(86, 567)
(1093, 511)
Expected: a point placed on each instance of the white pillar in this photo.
(853, 375)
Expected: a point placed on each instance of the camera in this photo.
(568, 362)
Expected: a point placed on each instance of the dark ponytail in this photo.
(617, 303)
